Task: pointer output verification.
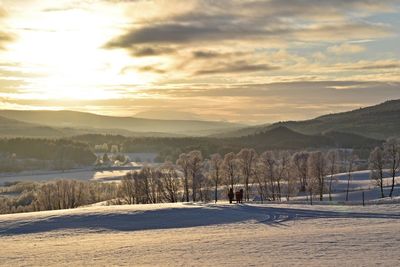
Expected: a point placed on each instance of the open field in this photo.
(83, 175)
(203, 235)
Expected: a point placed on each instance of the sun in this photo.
(64, 50)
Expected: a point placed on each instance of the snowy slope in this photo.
(203, 235)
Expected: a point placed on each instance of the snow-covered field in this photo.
(84, 175)
(204, 235)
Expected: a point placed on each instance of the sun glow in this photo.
(65, 50)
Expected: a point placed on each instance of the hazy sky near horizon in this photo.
(238, 60)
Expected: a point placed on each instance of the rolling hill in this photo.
(73, 123)
(13, 128)
(379, 122)
(282, 137)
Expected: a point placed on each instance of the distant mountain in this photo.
(13, 128)
(242, 131)
(90, 122)
(167, 115)
(378, 122)
(282, 137)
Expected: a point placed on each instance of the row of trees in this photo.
(60, 194)
(271, 175)
(385, 157)
(274, 174)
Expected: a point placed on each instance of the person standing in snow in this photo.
(237, 193)
(230, 195)
(241, 195)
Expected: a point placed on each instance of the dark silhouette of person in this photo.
(241, 196)
(237, 193)
(230, 195)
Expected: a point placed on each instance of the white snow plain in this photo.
(203, 235)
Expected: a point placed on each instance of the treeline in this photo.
(62, 152)
(269, 176)
(61, 194)
(279, 138)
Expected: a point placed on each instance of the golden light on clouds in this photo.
(218, 60)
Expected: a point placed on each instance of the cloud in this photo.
(375, 65)
(147, 68)
(205, 54)
(236, 67)
(147, 51)
(151, 68)
(5, 37)
(256, 20)
(3, 12)
(345, 48)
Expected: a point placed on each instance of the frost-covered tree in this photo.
(317, 171)
(351, 158)
(268, 165)
(392, 153)
(247, 159)
(230, 169)
(282, 170)
(195, 166)
(332, 160)
(128, 188)
(377, 166)
(300, 166)
(184, 163)
(215, 165)
(169, 182)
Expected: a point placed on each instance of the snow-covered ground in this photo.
(85, 175)
(204, 235)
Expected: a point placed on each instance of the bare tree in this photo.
(127, 188)
(169, 182)
(332, 160)
(282, 170)
(291, 181)
(268, 164)
(184, 162)
(299, 161)
(149, 178)
(377, 165)
(230, 167)
(195, 165)
(215, 170)
(317, 166)
(350, 168)
(247, 159)
(392, 151)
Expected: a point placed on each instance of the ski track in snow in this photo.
(203, 235)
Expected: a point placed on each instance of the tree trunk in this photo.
(216, 191)
(393, 178)
(187, 189)
(247, 189)
(330, 188)
(348, 186)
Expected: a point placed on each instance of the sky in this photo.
(245, 61)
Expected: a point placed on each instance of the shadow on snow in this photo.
(170, 218)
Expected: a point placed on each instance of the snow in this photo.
(84, 175)
(204, 235)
